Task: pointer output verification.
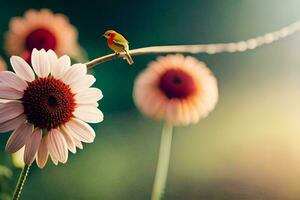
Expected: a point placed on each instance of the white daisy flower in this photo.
(48, 107)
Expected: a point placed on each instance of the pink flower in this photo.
(180, 90)
(41, 30)
(48, 107)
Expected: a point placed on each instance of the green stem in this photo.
(163, 162)
(21, 182)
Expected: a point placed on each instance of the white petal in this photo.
(53, 156)
(88, 96)
(13, 123)
(58, 147)
(52, 57)
(78, 143)
(84, 83)
(54, 160)
(95, 104)
(75, 73)
(12, 80)
(69, 139)
(40, 63)
(43, 154)
(49, 143)
(61, 67)
(31, 146)
(9, 93)
(80, 130)
(10, 110)
(18, 138)
(22, 69)
(88, 113)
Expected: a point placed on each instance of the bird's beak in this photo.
(103, 36)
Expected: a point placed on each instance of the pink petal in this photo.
(81, 130)
(43, 154)
(18, 138)
(10, 110)
(88, 113)
(13, 123)
(22, 69)
(12, 80)
(9, 93)
(32, 145)
(88, 96)
(69, 139)
(58, 146)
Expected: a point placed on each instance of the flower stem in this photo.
(163, 162)
(21, 182)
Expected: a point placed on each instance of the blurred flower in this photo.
(2, 65)
(17, 158)
(41, 30)
(180, 90)
(49, 113)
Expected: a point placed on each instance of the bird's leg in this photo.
(118, 54)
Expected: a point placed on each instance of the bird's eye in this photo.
(108, 34)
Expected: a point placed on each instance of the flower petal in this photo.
(78, 143)
(10, 110)
(80, 130)
(75, 73)
(61, 67)
(18, 138)
(12, 80)
(40, 63)
(52, 57)
(69, 139)
(32, 145)
(88, 96)
(52, 154)
(22, 69)
(88, 113)
(58, 146)
(9, 93)
(84, 83)
(43, 154)
(13, 123)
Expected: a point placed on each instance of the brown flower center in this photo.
(48, 103)
(176, 83)
(40, 38)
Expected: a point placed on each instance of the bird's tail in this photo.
(128, 58)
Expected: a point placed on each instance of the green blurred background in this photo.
(247, 148)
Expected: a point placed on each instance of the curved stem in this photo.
(163, 162)
(231, 47)
(21, 182)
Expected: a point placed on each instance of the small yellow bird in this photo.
(118, 44)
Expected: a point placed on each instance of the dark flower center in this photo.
(40, 38)
(48, 103)
(176, 83)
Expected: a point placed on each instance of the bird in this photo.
(118, 44)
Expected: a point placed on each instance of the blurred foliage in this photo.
(5, 183)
